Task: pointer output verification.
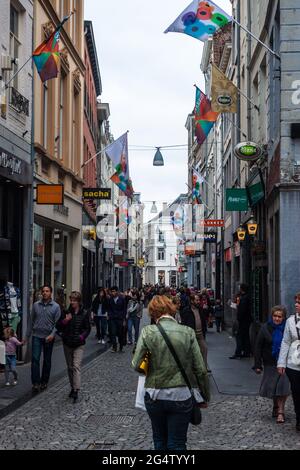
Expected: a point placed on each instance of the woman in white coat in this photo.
(287, 363)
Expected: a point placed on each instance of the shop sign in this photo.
(255, 188)
(50, 194)
(236, 200)
(124, 264)
(15, 168)
(118, 252)
(210, 237)
(248, 151)
(130, 261)
(212, 223)
(97, 193)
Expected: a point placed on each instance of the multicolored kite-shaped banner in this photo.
(46, 55)
(205, 118)
(201, 19)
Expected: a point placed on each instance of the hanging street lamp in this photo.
(158, 158)
(252, 226)
(241, 233)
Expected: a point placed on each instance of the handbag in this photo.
(196, 416)
(140, 393)
(2, 353)
(144, 365)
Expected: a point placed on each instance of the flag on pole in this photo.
(197, 180)
(46, 55)
(118, 153)
(205, 118)
(201, 19)
(224, 93)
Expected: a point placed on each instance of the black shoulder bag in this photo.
(196, 416)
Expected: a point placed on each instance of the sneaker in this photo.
(35, 388)
(129, 342)
(7, 384)
(102, 341)
(43, 386)
(99, 342)
(15, 382)
(113, 350)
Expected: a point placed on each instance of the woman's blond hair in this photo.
(161, 305)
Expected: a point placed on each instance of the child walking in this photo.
(11, 343)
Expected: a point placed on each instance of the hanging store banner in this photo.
(236, 200)
(255, 188)
(248, 151)
(224, 93)
(97, 193)
(50, 194)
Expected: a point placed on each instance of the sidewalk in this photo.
(14, 396)
(231, 376)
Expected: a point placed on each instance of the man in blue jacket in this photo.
(117, 316)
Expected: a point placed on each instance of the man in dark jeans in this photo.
(45, 313)
(244, 319)
(117, 317)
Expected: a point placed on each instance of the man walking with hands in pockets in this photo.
(45, 313)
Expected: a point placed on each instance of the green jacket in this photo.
(163, 371)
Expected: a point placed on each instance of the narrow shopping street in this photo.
(105, 416)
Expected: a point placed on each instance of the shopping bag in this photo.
(140, 393)
(2, 352)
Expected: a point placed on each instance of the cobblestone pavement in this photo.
(105, 417)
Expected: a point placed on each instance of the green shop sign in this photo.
(248, 151)
(256, 193)
(236, 200)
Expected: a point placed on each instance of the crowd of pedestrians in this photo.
(174, 344)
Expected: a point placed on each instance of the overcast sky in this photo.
(147, 79)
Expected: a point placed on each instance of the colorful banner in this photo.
(205, 118)
(46, 55)
(178, 222)
(224, 94)
(197, 180)
(118, 153)
(201, 19)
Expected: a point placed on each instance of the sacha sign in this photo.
(248, 151)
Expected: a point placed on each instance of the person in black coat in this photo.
(99, 314)
(244, 320)
(74, 327)
(117, 314)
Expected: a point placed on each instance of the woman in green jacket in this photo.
(167, 397)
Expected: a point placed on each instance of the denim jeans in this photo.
(170, 422)
(39, 344)
(10, 366)
(101, 327)
(135, 323)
